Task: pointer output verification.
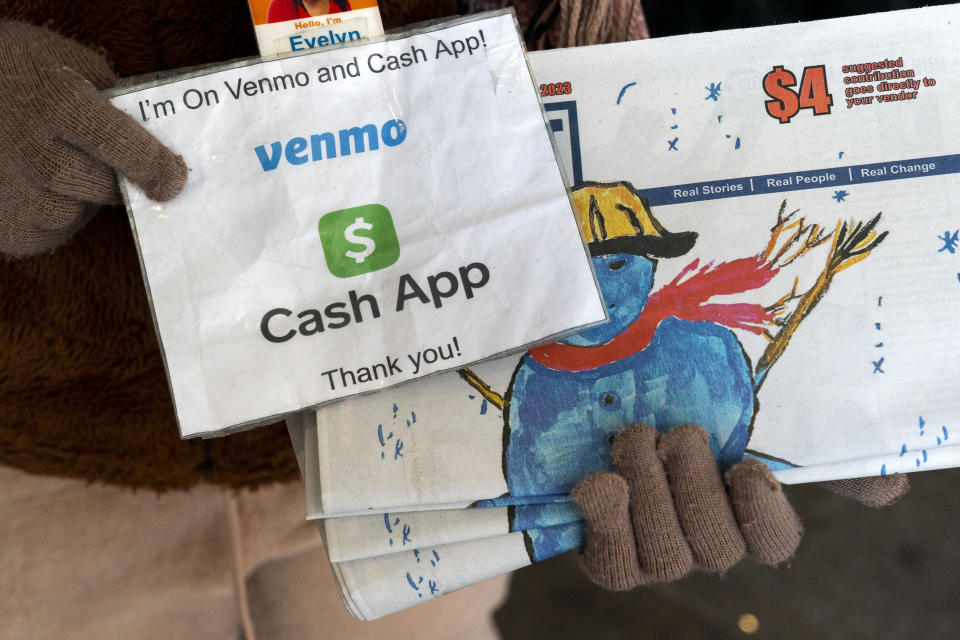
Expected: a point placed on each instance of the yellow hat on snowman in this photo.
(615, 218)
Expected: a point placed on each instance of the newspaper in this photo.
(792, 189)
(832, 238)
(303, 428)
(375, 587)
(356, 537)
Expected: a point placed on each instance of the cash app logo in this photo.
(358, 240)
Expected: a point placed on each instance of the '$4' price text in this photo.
(786, 102)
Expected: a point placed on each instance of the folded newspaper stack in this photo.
(771, 215)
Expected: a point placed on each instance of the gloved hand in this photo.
(60, 141)
(667, 510)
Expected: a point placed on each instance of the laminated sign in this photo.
(353, 219)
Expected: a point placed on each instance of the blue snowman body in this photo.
(560, 424)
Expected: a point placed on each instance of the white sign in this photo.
(354, 219)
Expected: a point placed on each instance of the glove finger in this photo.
(769, 524)
(662, 550)
(703, 507)
(74, 173)
(610, 556)
(877, 491)
(97, 127)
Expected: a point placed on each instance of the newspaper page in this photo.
(789, 280)
(374, 587)
(356, 537)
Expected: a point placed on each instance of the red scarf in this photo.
(683, 299)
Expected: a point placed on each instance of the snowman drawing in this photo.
(666, 358)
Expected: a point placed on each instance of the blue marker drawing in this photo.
(840, 155)
(840, 195)
(431, 584)
(719, 118)
(484, 405)
(398, 444)
(624, 90)
(923, 457)
(405, 530)
(949, 241)
(386, 522)
(673, 143)
(383, 439)
(736, 145)
(713, 91)
(877, 364)
(415, 585)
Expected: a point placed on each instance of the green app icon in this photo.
(358, 240)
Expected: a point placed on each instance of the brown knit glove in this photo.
(60, 141)
(667, 510)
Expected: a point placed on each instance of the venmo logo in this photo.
(358, 240)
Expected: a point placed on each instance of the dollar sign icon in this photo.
(785, 103)
(350, 235)
(358, 240)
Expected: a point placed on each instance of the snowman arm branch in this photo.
(849, 247)
(482, 387)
